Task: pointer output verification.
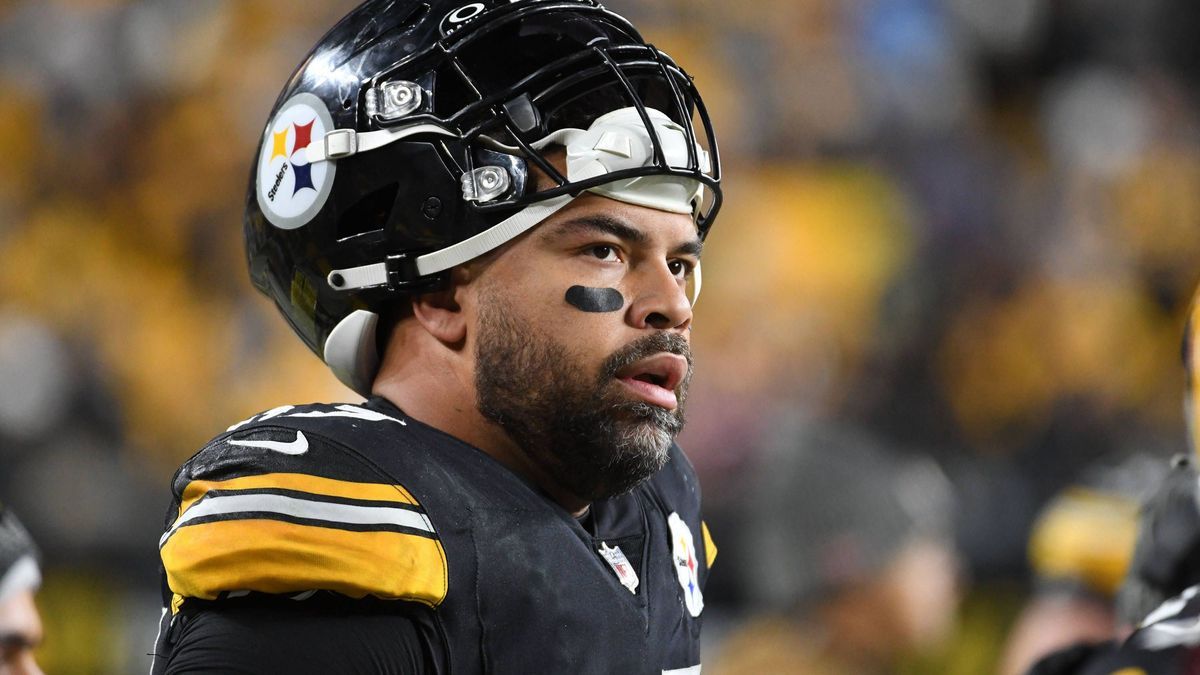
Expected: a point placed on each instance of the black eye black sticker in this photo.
(595, 299)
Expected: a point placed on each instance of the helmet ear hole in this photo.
(370, 214)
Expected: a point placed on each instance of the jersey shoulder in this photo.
(1175, 623)
(321, 439)
(289, 502)
(1165, 643)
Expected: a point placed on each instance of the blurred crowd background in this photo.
(958, 249)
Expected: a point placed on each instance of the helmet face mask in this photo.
(407, 141)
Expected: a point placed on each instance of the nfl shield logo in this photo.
(616, 559)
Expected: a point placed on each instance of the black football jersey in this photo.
(363, 502)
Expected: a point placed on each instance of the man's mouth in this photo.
(654, 379)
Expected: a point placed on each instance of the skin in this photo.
(430, 362)
(20, 634)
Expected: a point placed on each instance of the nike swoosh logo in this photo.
(296, 447)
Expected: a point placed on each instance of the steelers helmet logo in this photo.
(292, 190)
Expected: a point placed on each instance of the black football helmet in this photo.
(405, 144)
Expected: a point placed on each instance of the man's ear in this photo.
(441, 312)
(441, 315)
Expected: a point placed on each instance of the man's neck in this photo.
(436, 392)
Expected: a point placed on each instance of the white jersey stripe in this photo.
(300, 508)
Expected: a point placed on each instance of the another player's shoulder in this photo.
(1166, 643)
(1176, 623)
(295, 500)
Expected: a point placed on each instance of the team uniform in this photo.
(355, 538)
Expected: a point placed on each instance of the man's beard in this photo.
(583, 429)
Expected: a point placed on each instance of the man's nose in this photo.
(661, 301)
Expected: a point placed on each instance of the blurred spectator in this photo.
(20, 625)
(848, 556)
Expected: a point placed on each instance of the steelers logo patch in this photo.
(291, 190)
(687, 564)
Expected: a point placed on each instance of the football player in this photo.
(1161, 592)
(487, 218)
(20, 625)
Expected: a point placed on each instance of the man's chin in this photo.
(645, 452)
(640, 450)
(645, 439)
(638, 424)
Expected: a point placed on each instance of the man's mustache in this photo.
(656, 343)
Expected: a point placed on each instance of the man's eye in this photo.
(604, 252)
(679, 268)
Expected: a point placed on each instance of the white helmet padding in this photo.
(618, 140)
(351, 351)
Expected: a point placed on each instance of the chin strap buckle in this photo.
(397, 272)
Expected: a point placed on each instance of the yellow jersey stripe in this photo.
(710, 549)
(300, 482)
(271, 556)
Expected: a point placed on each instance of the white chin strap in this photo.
(614, 142)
